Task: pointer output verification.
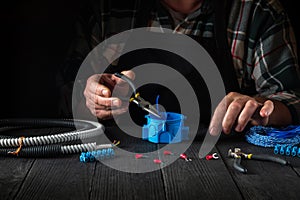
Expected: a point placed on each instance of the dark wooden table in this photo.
(67, 178)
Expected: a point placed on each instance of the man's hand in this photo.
(98, 94)
(235, 111)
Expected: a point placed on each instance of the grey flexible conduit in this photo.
(50, 145)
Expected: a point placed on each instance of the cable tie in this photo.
(116, 143)
(16, 152)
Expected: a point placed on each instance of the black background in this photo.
(35, 36)
(34, 39)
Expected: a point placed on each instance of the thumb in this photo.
(267, 108)
(130, 74)
(262, 114)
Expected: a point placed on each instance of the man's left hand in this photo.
(236, 110)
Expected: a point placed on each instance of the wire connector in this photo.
(96, 155)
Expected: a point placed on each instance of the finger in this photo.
(91, 105)
(95, 110)
(107, 102)
(232, 113)
(215, 126)
(261, 116)
(246, 114)
(106, 79)
(108, 114)
(102, 90)
(267, 108)
(130, 74)
(93, 87)
(100, 78)
(122, 87)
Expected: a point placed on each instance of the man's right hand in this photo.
(98, 94)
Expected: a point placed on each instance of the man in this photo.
(261, 45)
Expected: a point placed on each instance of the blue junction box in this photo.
(167, 129)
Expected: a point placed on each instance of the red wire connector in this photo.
(184, 156)
(168, 153)
(138, 156)
(213, 156)
(157, 161)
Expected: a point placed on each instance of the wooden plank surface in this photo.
(67, 178)
(114, 184)
(109, 183)
(13, 172)
(199, 179)
(58, 178)
(264, 180)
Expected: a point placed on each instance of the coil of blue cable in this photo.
(270, 137)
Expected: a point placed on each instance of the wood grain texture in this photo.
(13, 172)
(109, 183)
(67, 178)
(198, 179)
(58, 178)
(113, 184)
(264, 180)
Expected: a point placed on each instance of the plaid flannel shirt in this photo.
(260, 38)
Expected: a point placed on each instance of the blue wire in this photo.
(157, 107)
(269, 137)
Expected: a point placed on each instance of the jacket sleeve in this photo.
(276, 69)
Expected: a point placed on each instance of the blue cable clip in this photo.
(294, 151)
(96, 155)
(282, 150)
(287, 150)
(83, 157)
(276, 149)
